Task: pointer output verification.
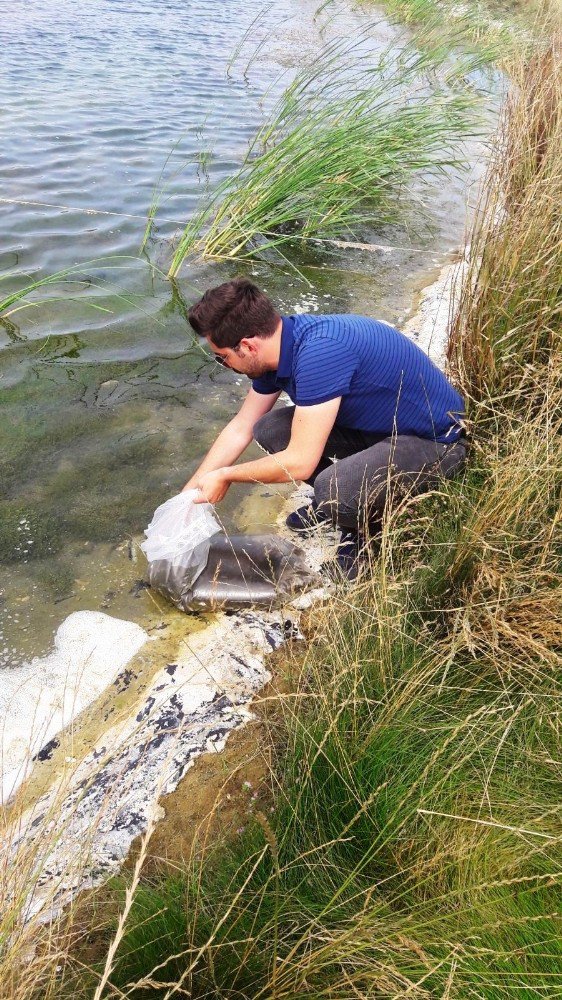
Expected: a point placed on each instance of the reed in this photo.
(30, 293)
(342, 141)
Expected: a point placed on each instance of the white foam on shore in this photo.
(43, 696)
(80, 830)
(430, 326)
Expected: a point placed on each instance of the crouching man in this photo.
(372, 416)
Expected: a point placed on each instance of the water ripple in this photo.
(95, 95)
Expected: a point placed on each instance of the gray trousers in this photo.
(359, 473)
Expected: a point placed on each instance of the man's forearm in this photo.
(229, 445)
(283, 467)
(310, 430)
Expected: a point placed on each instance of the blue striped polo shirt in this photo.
(387, 384)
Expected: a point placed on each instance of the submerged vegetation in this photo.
(78, 277)
(340, 144)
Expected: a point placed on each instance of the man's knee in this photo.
(359, 488)
(263, 434)
(339, 497)
(325, 491)
(273, 431)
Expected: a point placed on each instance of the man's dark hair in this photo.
(234, 310)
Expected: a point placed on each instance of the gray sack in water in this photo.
(241, 570)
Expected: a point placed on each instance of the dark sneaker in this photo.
(347, 561)
(305, 519)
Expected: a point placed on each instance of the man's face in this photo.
(244, 359)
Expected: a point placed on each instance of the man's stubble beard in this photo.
(256, 369)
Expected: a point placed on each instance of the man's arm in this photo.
(236, 436)
(309, 432)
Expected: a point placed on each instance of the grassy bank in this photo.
(411, 844)
(338, 149)
(506, 334)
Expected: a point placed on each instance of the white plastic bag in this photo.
(177, 544)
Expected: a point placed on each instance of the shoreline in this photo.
(191, 705)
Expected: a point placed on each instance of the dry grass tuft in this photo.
(506, 342)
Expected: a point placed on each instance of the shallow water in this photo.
(107, 403)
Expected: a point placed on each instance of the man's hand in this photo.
(212, 487)
(234, 438)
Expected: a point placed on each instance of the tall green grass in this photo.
(339, 145)
(413, 846)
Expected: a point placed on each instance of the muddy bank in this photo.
(433, 307)
(82, 827)
(105, 792)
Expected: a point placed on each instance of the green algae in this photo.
(28, 531)
(55, 577)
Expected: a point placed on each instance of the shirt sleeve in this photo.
(324, 370)
(266, 384)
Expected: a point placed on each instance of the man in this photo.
(372, 416)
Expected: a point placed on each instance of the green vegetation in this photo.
(339, 145)
(346, 136)
(413, 845)
(23, 297)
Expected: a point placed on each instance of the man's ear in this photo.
(250, 344)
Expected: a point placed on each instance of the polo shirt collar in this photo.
(285, 367)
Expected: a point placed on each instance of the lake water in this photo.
(107, 403)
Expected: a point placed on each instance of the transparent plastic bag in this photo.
(177, 545)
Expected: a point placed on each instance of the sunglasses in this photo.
(222, 361)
